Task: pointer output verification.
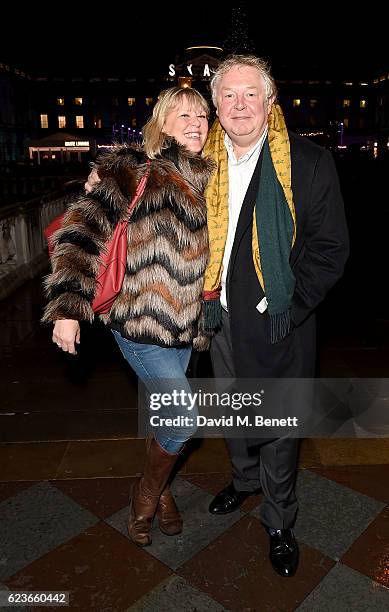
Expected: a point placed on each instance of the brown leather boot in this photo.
(169, 518)
(146, 491)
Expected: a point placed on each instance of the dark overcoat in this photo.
(317, 260)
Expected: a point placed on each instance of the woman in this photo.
(155, 317)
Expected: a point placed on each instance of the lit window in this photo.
(44, 121)
(346, 103)
(345, 122)
(131, 101)
(61, 121)
(133, 123)
(184, 81)
(60, 101)
(97, 123)
(312, 103)
(362, 104)
(149, 101)
(296, 102)
(79, 121)
(78, 101)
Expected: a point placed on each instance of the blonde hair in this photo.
(245, 60)
(153, 135)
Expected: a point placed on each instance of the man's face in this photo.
(242, 106)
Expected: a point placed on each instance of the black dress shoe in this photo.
(228, 500)
(284, 551)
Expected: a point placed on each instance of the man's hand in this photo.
(66, 333)
(93, 180)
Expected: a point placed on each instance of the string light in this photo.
(311, 134)
(238, 40)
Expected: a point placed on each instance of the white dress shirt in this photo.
(240, 173)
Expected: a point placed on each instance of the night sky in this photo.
(134, 40)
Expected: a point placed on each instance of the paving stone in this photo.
(330, 515)
(34, 522)
(343, 590)
(200, 527)
(176, 594)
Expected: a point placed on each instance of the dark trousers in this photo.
(270, 464)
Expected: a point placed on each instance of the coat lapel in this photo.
(246, 213)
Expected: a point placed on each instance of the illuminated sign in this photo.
(206, 70)
(76, 143)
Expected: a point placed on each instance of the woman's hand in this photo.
(93, 180)
(66, 333)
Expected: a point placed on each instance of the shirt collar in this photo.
(256, 148)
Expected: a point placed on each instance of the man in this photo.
(279, 242)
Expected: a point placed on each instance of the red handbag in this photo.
(113, 262)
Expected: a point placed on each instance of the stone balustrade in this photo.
(23, 247)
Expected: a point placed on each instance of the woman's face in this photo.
(188, 126)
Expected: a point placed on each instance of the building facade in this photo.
(78, 115)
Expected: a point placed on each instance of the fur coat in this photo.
(167, 253)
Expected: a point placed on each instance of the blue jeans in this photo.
(155, 365)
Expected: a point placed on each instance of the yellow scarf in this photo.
(217, 195)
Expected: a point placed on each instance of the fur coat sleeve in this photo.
(88, 224)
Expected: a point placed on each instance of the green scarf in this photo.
(275, 230)
(274, 215)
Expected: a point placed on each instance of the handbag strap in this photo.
(139, 190)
